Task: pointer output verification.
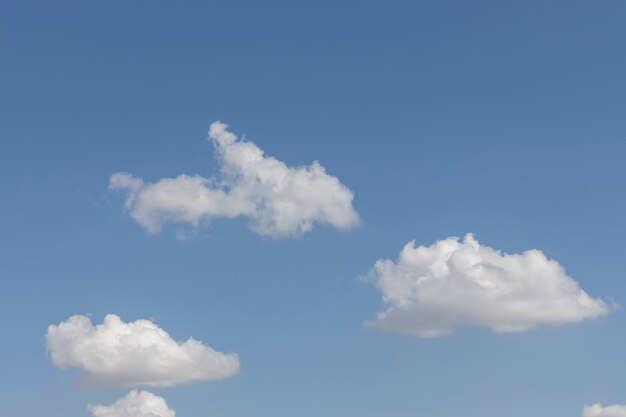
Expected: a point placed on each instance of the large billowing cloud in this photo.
(119, 354)
(430, 290)
(279, 200)
(134, 404)
(597, 410)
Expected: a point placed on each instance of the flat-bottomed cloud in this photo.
(597, 410)
(119, 354)
(430, 290)
(134, 404)
(279, 200)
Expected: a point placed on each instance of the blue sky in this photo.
(504, 119)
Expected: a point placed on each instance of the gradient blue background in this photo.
(505, 119)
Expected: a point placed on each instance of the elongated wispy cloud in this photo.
(139, 353)
(431, 290)
(279, 200)
(134, 404)
(597, 410)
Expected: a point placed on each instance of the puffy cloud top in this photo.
(430, 290)
(280, 200)
(119, 354)
(134, 404)
(597, 410)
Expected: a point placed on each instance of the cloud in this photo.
(134, 404)
(597, 410)
(119, 354)
(429, 291)
(279, 200)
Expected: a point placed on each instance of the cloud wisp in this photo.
(139, 353)
(134, 404)
(431, 290)
(597, 410)
(280, 201)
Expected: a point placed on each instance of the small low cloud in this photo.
(597, 410)
(134, 404)
(139, 353)
(279, 200)
(431, 290)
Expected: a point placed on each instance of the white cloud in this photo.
(134, 404)
(119, 354)
(597, 410)
(431, 290)
(279, 200)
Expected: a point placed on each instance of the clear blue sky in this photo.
(505, 119)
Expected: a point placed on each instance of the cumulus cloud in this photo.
(279, 200)
(134, 404)
(597, 410)
(431, 290)
(119, 354)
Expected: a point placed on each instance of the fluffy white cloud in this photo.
(597, 410)
(279, 200)
(134, 404)
(119, 354)
(431, 290)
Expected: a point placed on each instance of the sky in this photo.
(337, 209)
